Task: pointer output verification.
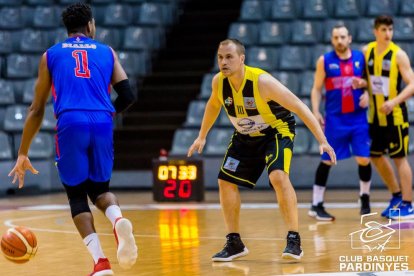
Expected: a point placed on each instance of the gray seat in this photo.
(20, 66)
(364, 30)
(302, 140)
(137, 38)
(11, 18)
(284, 9)
(206, 86)
(134, 63)
(33, 41)
(183, 139)
(39, 2)
(273, 33)
(218, 141)
(152, 13)
(60, 34)
(49, 119)
(406, 7)
(316, 9)
(314, 145)
(6, 93)
(410, 109)
(11, 2)
(294, 58)
(102, 1)
(67, 2)
(403, 29)
(40, 148)
(380, 7)
(46, 17)
(15, 117)
(5, 147)
(288, 79)
(307, 83)
(109, 36)
(408, 48)
(306, 32)
(263, 57)
(247, 33)
(195, 113)
(346, 9)
(252, 10)
(223, 120)
(317, 51)
(411, 140)
(6, 42)
(28, 90)
(330, 23)
(118, 15)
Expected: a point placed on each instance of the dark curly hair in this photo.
(76, 17)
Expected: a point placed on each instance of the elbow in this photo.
(36, 111)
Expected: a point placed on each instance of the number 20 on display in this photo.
(184, 175)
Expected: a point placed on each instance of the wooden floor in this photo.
(179, 239)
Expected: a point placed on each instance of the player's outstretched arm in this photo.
(33, 122)
(211, 113)
(272, 89)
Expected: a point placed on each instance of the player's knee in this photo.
(227, 186)
(279, 178)
(96, 189)
(78, 200)
(363, 161)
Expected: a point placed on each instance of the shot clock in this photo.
(178, 180)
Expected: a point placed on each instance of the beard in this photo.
(341, 49)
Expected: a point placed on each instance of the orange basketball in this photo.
(19, 244)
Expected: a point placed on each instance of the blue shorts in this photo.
(84, 146)
(347, 139)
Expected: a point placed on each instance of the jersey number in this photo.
(82, 69)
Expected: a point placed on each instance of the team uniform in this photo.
(81, 70)
(346, 125)
(389, 133)
(264, 131)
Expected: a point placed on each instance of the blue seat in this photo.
(206, 86)
(263, 57)
(28, 90)
(294, 58)
(307, 83)
(284, 9)
(288, 79)
(406, 7)
(5, 147)
(152, 13)
(58, 35)
(183, 139)
(67, 2)
(102, 1)
(49, 119)
(15, 117)
(317, 51)
(39, 2)
(346, 9)
(7, 96)
(11, 18)
(195, 113)
(314, 145)
(40, 148)
(109, 36)
(137, 38)
(274, 33)
(380, 7)
(364, 30)
(34, 41)
(410, 109)
(6, 42)
(117, 15)
(252, 10)
(331, 23)
(411, 140)
(306, 32)
(46, 17)
(247, 33)
(20, 66)
(302, 141)
(316, 9)
(218, 141)
(403, 29)
(408, 48)
(223, 120)
(11, 2)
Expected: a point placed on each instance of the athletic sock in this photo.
(318, 194)
(112, 213)
(94, 246)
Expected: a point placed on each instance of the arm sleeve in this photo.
(125, 96)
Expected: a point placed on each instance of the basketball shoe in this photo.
(234, 248)
(102, 268)
(394, 203)
(406, 212)
(127, 249)
(365, 207)
(318, 212)
(293, 249)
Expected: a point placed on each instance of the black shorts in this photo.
(391, 140)
(247, 156)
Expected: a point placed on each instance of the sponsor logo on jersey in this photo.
(231, 164)
(228, 101)
(246, 123)
(333, 66)
(249, 103)
(386, 65)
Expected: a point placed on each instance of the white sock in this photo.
(94, 246)
(364, 187)
(318, 194)
(112, 213)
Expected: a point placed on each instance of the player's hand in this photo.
(358, 83)
(320, 118)
(198, 146)
(325, 147)
(19, 170)
(364, 100)
(387, 107)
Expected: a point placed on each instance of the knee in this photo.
(97, 190)
(279, 178)
(227, 186)
(363, 161)
(78, 200)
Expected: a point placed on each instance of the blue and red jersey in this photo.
(81, 70)
(341, 99)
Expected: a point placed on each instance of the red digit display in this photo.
(170, 187)
(184, 190)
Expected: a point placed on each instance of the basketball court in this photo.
(180, 238)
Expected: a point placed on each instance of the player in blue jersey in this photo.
(346, 126)
(79, 72)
